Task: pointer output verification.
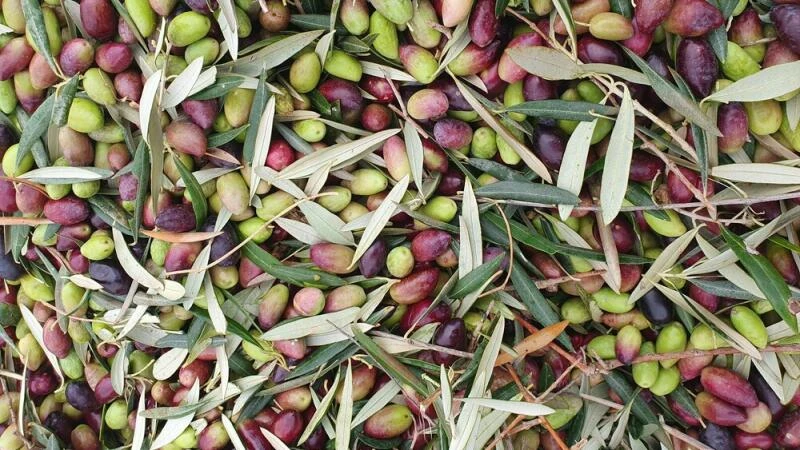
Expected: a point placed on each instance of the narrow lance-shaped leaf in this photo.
(758, 173)
(573, 165)
(563, 110)
(766, 84)
(618, 160)
(768, 279)
(389, 364)
(527, 192)
(525, 153)
(471, 238)
(196, 196)
(34, 21)
(35, 127)
(262, 143)
(545, 62)
(380, 218)
(670, 95)
(415, 153)
(64, 96)
(345, 415)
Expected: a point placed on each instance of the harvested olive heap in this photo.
(399, 224)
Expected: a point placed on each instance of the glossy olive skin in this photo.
(697, 64)
(656, 307)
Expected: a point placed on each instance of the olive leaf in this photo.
(766, 276)
(229, 26)
(131, 265)
(34, 128)
(670, 95)
(530, 159)
(521, 408)
(379, 219)
(38, 334)
(618, 160)
(415, 152)
(563, 110)
(665, 260)
(262, 142)
(175, 426)
(573, 165)
(793, 112)
(470, 236)
(766, 84)
(306, 326)
(527, 192)
(64, 95)
(119, 367)
(139, 426)
(272, 55)
(37, 31)
(761, 173)
(335, 155)
(546, 62)
(180, 87)
(344, 416)
(381, 71)
(326, 224)
(67, 175)
(377, 401)
(198, 199)
(150, 123)
(301, 231)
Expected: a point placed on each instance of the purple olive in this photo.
(697, 64)
(453, 335)
(111, 276)
(81, 396)
(113, 57)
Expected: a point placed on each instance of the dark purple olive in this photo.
(178, 218)
(549, 145)
(378, 88)
(81, 397)
(9, 269)
(251, 435)
(451, 334)
(787, 22)
(111, 276)
(717, 437)
(454, 97)
(59, 424)
(67, 211)
(201, 112)
(373, 260)
(766, 394)
(128, 187)
(697, 65)
(317, 440)
(347, 94)
(593, 50)
(223, 243)
(104, 391)
(42, 382)
(537, 88)
(415, 316)
(452, 181)
(645, 167)
(8, 137)
(656, 307)
(788, 434)
(452, 134)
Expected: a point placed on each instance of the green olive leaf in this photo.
(766, 84)
(670, 95)
(765, 275)
(618, 160)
